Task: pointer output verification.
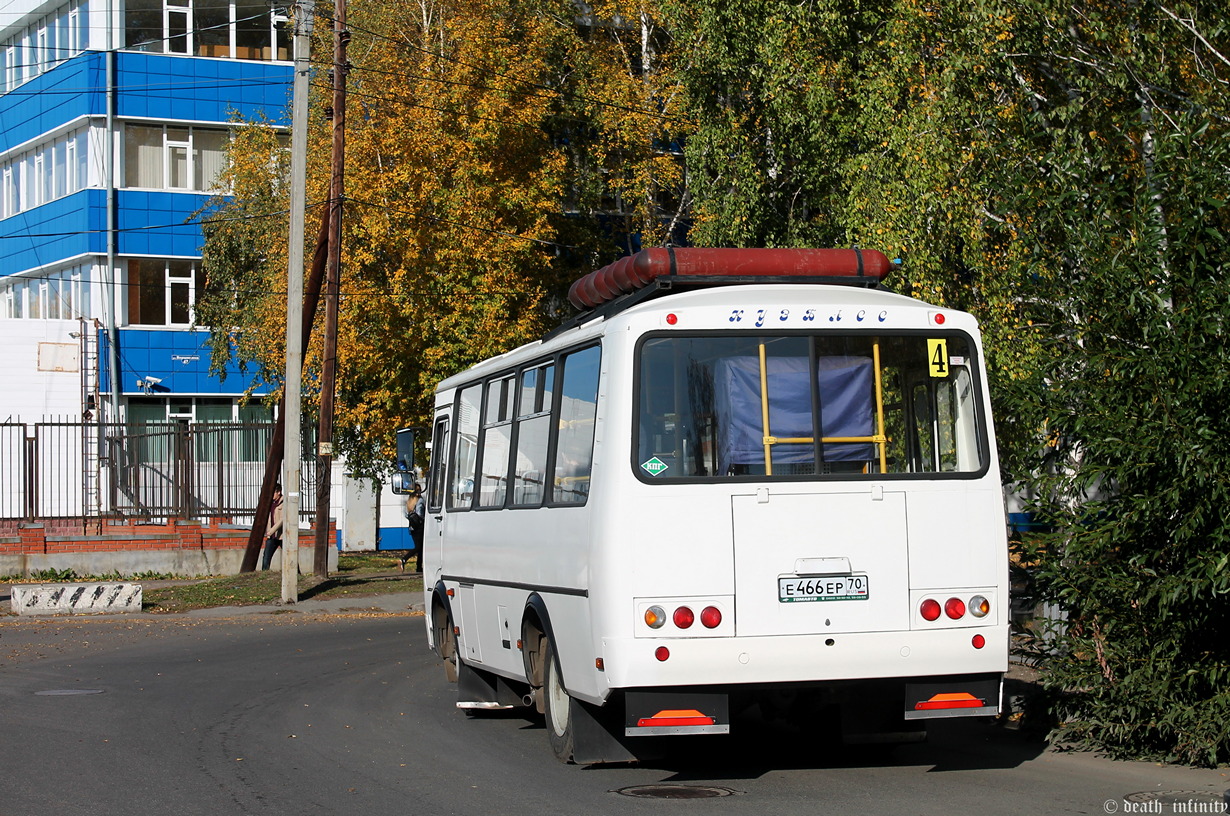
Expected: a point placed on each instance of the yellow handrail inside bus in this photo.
(880, 443)
(764, 413)
(878, 438)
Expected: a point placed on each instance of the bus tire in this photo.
(446, 643)
(557, 707)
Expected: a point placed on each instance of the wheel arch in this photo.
(440, 600)
(536, 625)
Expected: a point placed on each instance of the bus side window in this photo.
(578, 409)
(435, 482)
(465, 448)
(496, 440)
(533, 429)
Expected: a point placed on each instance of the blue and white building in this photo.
(114, 118)
(113, 127)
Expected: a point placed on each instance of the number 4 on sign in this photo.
(937, 354)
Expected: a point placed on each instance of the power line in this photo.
(148, 227)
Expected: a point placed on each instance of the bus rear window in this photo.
(784, 407)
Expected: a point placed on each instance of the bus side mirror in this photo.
(402, 482)
(405, 450)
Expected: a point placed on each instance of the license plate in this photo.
(823, 588)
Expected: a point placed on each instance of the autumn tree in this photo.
(455, 243)
(624, 127)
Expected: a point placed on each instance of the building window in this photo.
(176, 16)
(39, 188)
(46, 173)
(43, 51)
(244, 29)
(59, 295)
(32, 51)
(8, 196)
(162, 293)
(169, 158)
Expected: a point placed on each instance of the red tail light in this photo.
(930, 609)
(684, 617)
(954, 608)
(711, 617)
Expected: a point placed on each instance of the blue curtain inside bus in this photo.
(846, 408)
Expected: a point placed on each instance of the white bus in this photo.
(738, 477)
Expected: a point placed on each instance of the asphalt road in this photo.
(337, 714)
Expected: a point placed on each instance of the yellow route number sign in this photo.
(937, 356)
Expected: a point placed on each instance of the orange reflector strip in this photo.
(960, 699)
(672, 717)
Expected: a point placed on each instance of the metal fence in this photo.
(182, 470)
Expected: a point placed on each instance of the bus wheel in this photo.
(558, 710)
(446, 643)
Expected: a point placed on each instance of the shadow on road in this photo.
(757, 746)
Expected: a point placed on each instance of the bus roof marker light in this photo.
(938, 318)
(672, 319)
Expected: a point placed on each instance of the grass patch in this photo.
(358, 576)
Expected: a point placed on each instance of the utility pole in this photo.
(304, 20)
(328, 387)
(277, 443)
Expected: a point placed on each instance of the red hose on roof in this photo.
(861, 266)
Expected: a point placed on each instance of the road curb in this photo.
(75, 598)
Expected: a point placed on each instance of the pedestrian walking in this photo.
(273, 528)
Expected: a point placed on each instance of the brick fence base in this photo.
(127, 548)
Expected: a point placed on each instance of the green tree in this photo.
(1119, 193)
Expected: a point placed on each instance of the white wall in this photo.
(39, 386)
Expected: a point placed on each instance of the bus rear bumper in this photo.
(630, 663)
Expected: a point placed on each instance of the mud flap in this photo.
(594, 741)
(966, 695)
(478, 689)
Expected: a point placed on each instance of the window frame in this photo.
(514, 374)
(197, 141)
(973, 365)
(170, 280)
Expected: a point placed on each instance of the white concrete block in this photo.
(58, 599)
